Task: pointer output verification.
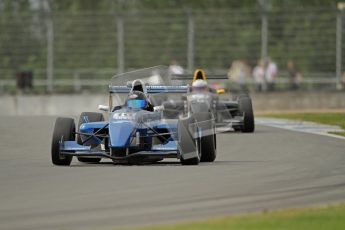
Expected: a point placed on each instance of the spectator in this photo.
(259, 75)
(175, 69)
(240, 72)
(155, 78)
(294, 74)
(271, 74)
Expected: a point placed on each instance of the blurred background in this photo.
(68, 47)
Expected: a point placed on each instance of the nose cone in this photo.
(120, 133)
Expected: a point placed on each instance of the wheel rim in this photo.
(61, 157)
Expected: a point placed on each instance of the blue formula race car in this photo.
(135, 131)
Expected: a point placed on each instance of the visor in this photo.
(137, 104)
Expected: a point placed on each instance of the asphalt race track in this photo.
(272, 168)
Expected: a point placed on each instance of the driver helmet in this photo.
(137, 100)
(199, 86)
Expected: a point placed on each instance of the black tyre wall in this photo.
(246, 108)
(64, 130)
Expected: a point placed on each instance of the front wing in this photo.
(72, 148)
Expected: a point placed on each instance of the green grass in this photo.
(331, 217)
(322, 118)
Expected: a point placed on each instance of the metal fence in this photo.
(70, 52)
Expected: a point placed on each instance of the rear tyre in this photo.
(246, 108)
(64, 130)
(84, 118)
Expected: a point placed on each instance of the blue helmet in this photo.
(137, 100)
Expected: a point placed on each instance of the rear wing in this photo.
(151, 89)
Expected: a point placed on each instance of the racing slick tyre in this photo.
(208, 146)
(188, 145)
(64, 130)
(88, 117)
(246, 108)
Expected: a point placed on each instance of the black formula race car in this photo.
(235, 113)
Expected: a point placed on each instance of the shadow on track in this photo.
(164, 163)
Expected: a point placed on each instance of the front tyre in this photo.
(209, 148)
(64, 130)
(195, 160)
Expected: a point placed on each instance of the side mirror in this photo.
(103, 107)
(158, 108)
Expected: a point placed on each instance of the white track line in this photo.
(301, 126)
